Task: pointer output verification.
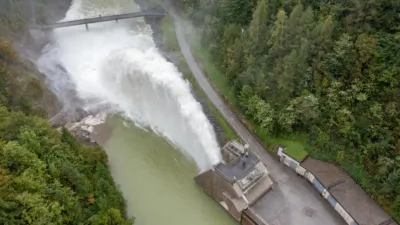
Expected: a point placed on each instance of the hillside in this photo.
(46, 175)
(322, 73)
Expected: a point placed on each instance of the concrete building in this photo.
(237, 182)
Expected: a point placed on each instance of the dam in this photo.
(152, 159)
(237, 182)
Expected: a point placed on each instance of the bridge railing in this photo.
(157, 11)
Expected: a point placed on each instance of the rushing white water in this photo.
(117, 65)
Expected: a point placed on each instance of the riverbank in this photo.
(78, 166)
(15, 22)
(291, 191)
(223, 129)
(165, 39)
(60, 179)
(294, 146)
(296, 141)
(157, 179)
(29, 43)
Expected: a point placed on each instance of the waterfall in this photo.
(118, 65)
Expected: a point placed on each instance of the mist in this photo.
(117, 68)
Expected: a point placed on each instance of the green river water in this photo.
(110, 63)
(156, 180)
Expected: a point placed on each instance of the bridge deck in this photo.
(156, 12)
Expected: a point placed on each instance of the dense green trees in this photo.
(47, 176)
(326, 70)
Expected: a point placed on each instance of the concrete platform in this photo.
(282, 206)
(239, 180)
(238, 169)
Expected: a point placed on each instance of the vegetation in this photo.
(15, 15)
(171, 44)
(292, 146)
(18, 87)
(328, 71)
(168, 31)
(47, 176)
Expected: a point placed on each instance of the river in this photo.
(156, 180)
(164, 139)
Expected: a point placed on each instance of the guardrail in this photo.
(294, 165)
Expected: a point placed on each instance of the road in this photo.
(294, 200)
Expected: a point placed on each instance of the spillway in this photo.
(117, 66)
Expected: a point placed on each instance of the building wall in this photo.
(234, 206)
(220, 185)
(230, 195)
(205, 181)
(246, 220)
(251, 218)
(221, 191)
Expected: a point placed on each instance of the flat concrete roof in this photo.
(278, 209)
(238, 169)
(353, 199)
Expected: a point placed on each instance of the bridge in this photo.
(157, 11)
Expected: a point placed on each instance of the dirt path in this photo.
(286, 204)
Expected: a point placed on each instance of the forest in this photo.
(46, 175)
(328, 71)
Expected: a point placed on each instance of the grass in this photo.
(215, 75)
(294, 149)
(294, 146)
(171, 44)
(168, 30)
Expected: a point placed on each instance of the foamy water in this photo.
(118, 66)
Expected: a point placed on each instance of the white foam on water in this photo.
(117, 65)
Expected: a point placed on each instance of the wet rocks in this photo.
(85, 128)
